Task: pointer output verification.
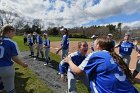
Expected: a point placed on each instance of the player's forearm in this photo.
(46, 46)
(75, 69)
(19, 61)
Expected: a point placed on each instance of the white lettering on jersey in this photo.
(1, 51)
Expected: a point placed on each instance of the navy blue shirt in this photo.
(125, 48)
(47, 42)
(77, 59)
(65, 42)
(8, 49)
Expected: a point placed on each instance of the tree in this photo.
(7, 17)
(119, 28)
(20, 23)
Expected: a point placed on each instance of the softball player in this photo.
(39, 45)
(77, 58)
(46, 45)
(25, 38)
(9, 53)
(110, 36)
(64, 44)
(30, 43)
(106, 71)
(92, 45)
(125, 49)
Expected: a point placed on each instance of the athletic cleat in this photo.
(45, 64)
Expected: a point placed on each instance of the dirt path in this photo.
(49, 74)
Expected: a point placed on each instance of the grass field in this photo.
(28, 82)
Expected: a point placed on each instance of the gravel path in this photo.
(49, 73)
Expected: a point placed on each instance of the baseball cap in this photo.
(94, 36)
(127, 34)
(45, 34)
(110, 34)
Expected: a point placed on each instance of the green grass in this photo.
(27, 82)
(19, 40)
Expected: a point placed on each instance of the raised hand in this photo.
(135, 42)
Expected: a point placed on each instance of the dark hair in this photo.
(80, 43)
(7, 28)
(106, 44)
(66, 31)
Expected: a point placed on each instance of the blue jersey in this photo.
(77, 59)
(65, 42)
(30, 41)
(47, 43)
(8, 49)
(105, 75)
(39, 39)
(125, 48)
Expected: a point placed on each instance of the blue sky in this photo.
(122, 18)
(71, 13)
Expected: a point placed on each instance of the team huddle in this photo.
(101, 71)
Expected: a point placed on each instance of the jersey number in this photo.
(1, 51)
(117, 75)
(125, 49)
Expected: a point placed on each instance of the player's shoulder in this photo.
(8, 40)
(100, 54)
(74, 54)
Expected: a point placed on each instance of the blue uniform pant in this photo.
(7, 75)
(72, 81)
(126, 59)
(47, 51)
(39, 50)
(64, 53)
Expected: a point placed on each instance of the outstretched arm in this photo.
(58, 50)
(19, 61)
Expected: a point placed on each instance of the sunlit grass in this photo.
(27, 82)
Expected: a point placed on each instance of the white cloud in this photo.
(135, 24)
(75, 12)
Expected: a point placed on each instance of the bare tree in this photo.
(7, 17)
(20, 23)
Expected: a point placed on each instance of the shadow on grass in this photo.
(54, 65)
(21, 83)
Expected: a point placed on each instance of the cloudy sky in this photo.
(71, 13)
